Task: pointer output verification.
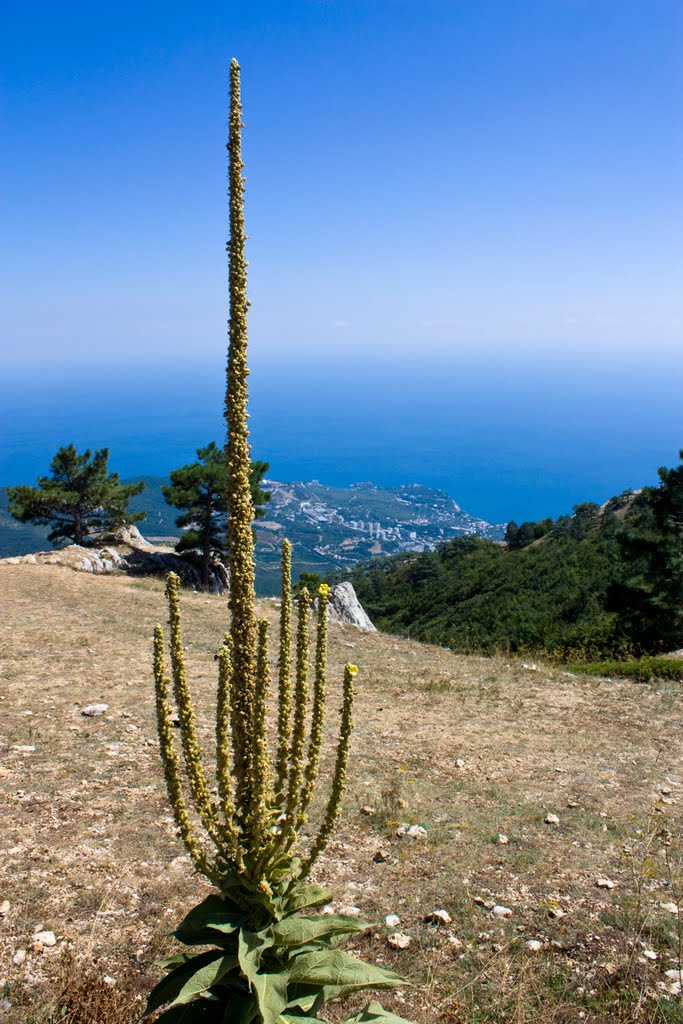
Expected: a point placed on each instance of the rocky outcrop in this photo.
(128, 551)
(345, 607)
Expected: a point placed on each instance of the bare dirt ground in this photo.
(479, 752)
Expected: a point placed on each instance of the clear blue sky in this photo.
(425, 175)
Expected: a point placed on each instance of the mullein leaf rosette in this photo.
(272, 958)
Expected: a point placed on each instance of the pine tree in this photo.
(199, 489)
(79, 498)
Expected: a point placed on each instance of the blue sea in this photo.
(510, 438)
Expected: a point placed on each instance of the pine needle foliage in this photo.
(272, 959)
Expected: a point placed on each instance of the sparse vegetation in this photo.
(641, 669)
(89, 849)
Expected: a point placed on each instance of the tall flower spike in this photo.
(238, 452)
(318, 714)
(284, 670)
(188, 729)
(262, 787)
(223, 759)
(169, 757)
(296, 753)
(340, 773)
(254, 822)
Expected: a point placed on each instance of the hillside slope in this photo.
(470, 748)
(330, 528)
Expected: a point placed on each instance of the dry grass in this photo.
(467, 747)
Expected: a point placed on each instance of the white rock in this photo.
(45, 938)
(5, 908)
(533, 945)
(503, 839)
(19, 957)
(345, 607)
(439, 917)
(671, 907)
(531, 667)
(108, 980)
(399, 940)
(552, 819)
(459, 762)
(455, 941)
(93, 710)
(499, 911)
(674, 975)
(605, 883)
(392, 920)
(557, 913)
(650, 954)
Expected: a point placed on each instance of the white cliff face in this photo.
(345, 607)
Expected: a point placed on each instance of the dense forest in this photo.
(606, 581)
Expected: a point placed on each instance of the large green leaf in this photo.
(251, 946)
(339, 970)
(305, 896)
(269, 987)
(190, 979)
(374, 1013)
(299, 931)
(214, 914)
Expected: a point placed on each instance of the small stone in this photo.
(342, 908)
(439, 917)
(43, 939)
(572, 803)
(531, 667)
(650, 954)
(368, 810)
(455, 941)
(551, 819)
(381, 857)
(533, 945)
(503, 839)
(671, 907)
(5, 908)
(392, 920)
(19, 957)
(108, 980)
(499, 911)
(413, 831)
(605, 883)
(556, 913)
(93, 710)
(174, 719)
(398, 940)
(459, 762)
(665, 791)
(674, 975)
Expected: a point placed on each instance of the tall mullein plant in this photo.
(271, 956)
